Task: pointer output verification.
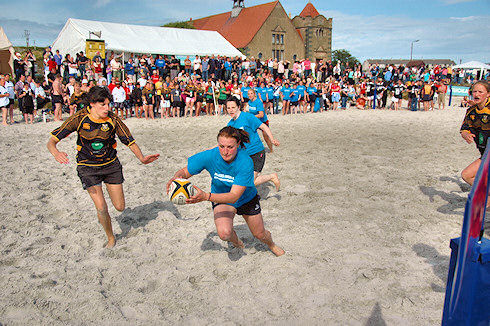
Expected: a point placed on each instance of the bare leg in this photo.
(223, 219)
(469, 173)
(4, 116)
(260, 179)
(256, 225)
(97, 196)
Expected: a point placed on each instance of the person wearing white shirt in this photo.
(10, 87)
(4, 99)
(197, 65)
(119, 96)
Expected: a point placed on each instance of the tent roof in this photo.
(143, 39)
(472, 65)
(4, 41)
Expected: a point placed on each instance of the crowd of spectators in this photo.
(161, 86)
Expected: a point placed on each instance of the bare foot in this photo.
(278, 251)
(110, 243)
(275, 180)
(239, 244)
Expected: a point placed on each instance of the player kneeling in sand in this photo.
(232, 187)
(97, 161)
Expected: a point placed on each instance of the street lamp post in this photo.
(411, 48)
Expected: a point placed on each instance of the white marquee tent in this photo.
(142, 39)
(473, 65)
(6, 54)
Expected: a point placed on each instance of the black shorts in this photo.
(11, 101)
(250, 208)
(28, 109)
(95, 175)
(295, 103)
(57, 99)
(259, 160)
(222, 102)
(178, 104)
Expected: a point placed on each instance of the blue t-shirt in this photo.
(245, 91)
(301, 90)
(262, 92)
(286, 93)
(255, 107)
(129, 68)
(294, 97)
(228, 65)
(224, 175)
(270, 92)
(311, 90)
(248, 122)
(160, 63)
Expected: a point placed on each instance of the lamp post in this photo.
(411, 48)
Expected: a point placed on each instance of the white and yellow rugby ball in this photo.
(180, 190)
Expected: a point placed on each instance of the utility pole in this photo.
(27, 33)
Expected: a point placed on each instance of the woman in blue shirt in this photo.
(255, 149)
(232, 187)
(256, 107)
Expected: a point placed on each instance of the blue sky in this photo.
(452, 29)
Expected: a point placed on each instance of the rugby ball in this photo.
(180, 190)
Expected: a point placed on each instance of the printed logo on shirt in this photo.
(224, 177)
(104, 127)
(86, 126)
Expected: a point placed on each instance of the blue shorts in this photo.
(336, 97)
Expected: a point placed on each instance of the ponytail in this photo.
(240, 135)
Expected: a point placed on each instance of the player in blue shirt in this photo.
(285, 93)
(249, 123)
(312, 93)
(294, 99)
(232, 187)
(256, 107)
(302, 96)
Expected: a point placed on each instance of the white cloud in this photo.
(452, 2)
(102, 3)
(464, 19)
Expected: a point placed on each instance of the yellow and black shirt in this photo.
(96, 142)
(477, 122)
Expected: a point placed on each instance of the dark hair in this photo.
(98, 94)
(235, 99)
(240, 135)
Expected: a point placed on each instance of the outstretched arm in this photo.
(268, 132)
(143, 159)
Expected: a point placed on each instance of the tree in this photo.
(344, 56)
(179, 25)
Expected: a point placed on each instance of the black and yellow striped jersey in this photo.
(96, 142)
(477, 122)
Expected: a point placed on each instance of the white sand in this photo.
(368, 205)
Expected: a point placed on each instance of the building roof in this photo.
(309, 11)
(406, 61)
(240, 30)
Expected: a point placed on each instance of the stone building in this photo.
(316, 32)
(267, 31)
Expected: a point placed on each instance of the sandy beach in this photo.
(368, 204)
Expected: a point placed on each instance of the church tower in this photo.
(316, 31)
